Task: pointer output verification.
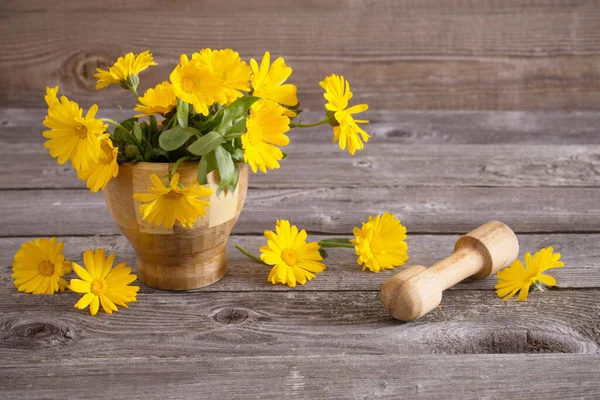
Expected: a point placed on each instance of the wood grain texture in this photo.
(414, 165)
(326, 210)
(331, 338)
(433, 54)
(561, 150)
(24, 125)
(560, 376)
(579, 252)
(297, 323)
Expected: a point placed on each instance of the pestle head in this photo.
(407, 297)
(496, 242)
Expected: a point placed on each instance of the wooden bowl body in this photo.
(175, 258)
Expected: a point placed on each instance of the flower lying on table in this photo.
(39, 267)
(103, 284)
(380, 244)
(215, 109)
(521, 278)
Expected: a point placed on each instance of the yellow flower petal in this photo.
(345, 128)
(85, 301)
(519, 277)
(107, 287)
(39, 266)
(380, 243)
(79, 286)
(172, 203)
(125, 67)
(294, 261)
(265, 130)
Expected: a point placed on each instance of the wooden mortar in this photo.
(175, 258)
(416, 290)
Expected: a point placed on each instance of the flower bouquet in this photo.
(175, 175)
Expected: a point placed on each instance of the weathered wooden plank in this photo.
(24, 125)
(462, 377)
(165, 324)
(579, 252)
(413, 55)
(379, 164)
(472, 160)
(323, 210)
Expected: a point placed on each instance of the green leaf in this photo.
(237, 155)
(137, 132)
(210, 123)
(284, 155)
(234, 111)
(174, 138)
(183, 110)
(235, 179)
(236, 130)
(208, 163)
(152, 124)
(226, 168)
(207, 143)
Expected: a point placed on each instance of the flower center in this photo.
(189, 84)
(376, 246)
(289, 257)
(172, 195)
(98, 287)
(81, 131)
(46, 268)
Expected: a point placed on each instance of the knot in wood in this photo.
(368, 164)
(231, 316)
(80, 68)
(36, 334)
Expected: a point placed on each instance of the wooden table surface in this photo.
(441, 173)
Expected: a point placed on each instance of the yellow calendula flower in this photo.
(51, 97)
(102, 284)
(294, 260)
(265, 130)
(72, 136)
(170, 203)
(380, 243)
(345, 128)
(234, 73)
(520, 278)
(125, 70)
(101, 172)
(268, 82)
(195, 84)
(159, 100)
(39, 267)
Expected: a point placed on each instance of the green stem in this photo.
(336, 242)
(115, 123)
(301, 125)
(249, 255)
(178, 163)
(134, 90)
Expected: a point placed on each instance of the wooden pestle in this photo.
(416, 290)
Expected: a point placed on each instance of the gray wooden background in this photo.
(397, 54)
(480, 110)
